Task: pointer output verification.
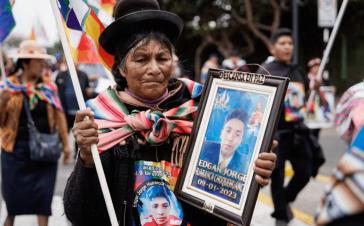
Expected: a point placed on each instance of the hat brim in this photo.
(33, 56)
(147, 20)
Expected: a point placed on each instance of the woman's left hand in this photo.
(265, 165)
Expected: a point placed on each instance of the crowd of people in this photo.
(122, 122)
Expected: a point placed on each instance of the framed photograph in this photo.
(320, 109)
(236, 121)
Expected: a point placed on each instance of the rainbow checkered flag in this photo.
(79, 16)
(7, 21)
(103, 9)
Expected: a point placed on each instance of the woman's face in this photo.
(35, 67)
(160, 209)
(148, 69)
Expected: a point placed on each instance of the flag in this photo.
(38, 32)
(108, 5)
(102, 9)
(86, 52)
(7, 21)
(82, 47)
(79, 16)
(32, 35)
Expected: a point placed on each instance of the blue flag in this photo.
(7, 21)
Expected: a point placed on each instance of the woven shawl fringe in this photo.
(179, 148)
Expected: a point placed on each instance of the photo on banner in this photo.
(321, 108)
(155, 200)
(294, 102)
(237, 117)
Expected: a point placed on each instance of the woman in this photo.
(144, 122)
(28, 186)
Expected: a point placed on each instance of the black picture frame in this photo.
(230, 196)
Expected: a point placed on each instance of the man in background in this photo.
(211, 62)
(234, 61)
(291, 134)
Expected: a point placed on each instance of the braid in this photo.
(119, 79)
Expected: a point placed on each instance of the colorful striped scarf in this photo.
(116, 123)
(46, 92)
(349, 112)
(345, 194)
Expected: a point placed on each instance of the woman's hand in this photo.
(264, 165)
(66, 155)
(85, 133)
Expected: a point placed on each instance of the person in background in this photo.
(177, 73)
(292, 134)
(27, 185)
(314, 89)
(349, 112)
(124, 119)
(313, 67)
(67, 93)
(211, 62)
(59, 66)
(8, 64)
(269, 59)
(234, 61)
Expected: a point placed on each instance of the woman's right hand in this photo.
(85, 132)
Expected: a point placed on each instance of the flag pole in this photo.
(332, 39)
(82, 105)
(2, 66)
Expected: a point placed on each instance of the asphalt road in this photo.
(305, 206)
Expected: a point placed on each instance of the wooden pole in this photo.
(82, 105)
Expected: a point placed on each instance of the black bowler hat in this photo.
(137, 16)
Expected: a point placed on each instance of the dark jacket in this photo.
(290, 71)
(309, 145)
(63, 79)
(83, 200)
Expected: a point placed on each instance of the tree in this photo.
(227, 24)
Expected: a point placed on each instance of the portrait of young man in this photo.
(226, 145)
(225, 154)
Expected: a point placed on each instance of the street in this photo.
(304, 207)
